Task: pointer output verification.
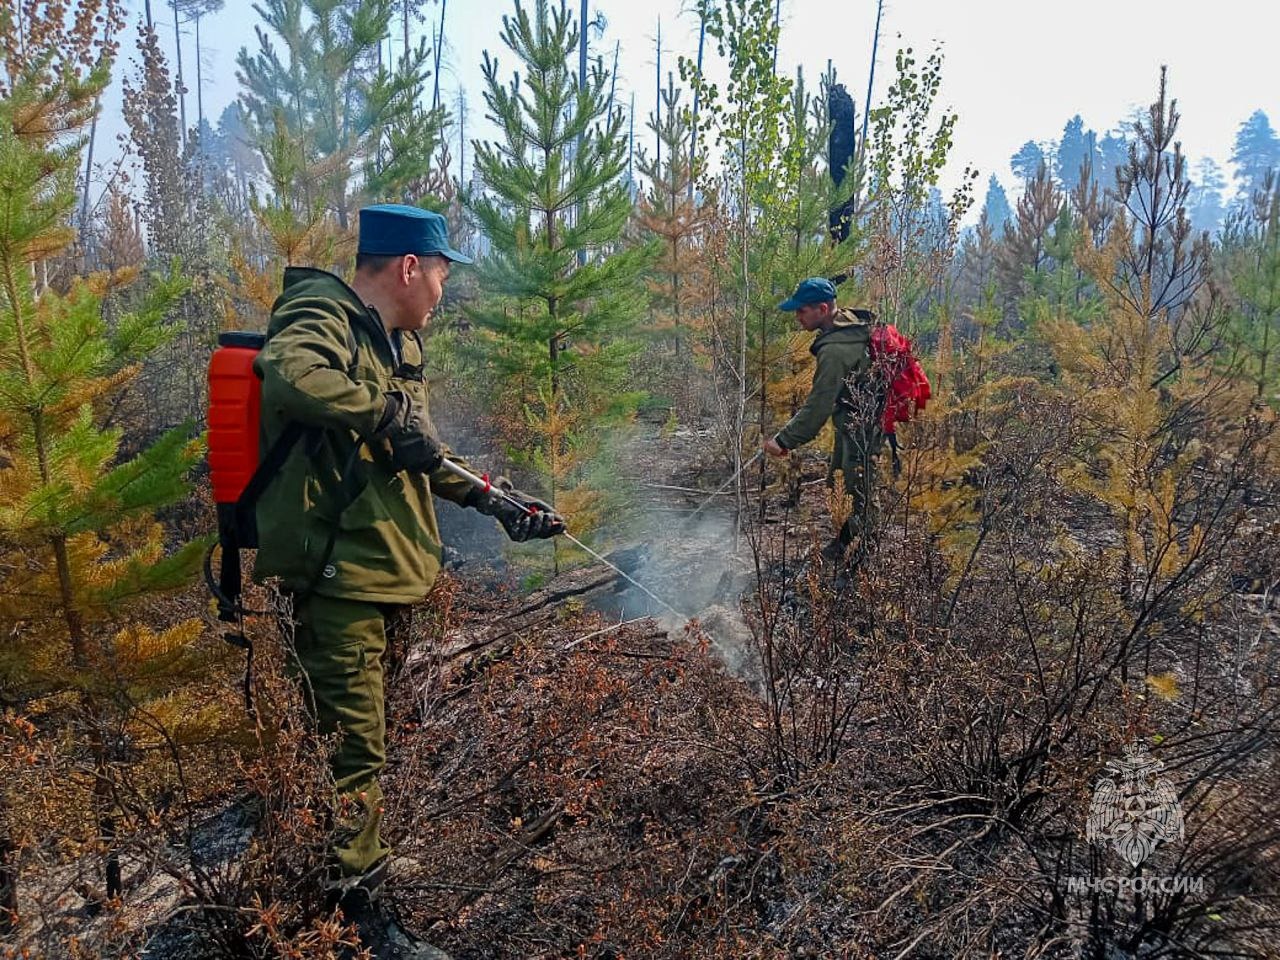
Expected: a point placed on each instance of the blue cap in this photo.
(394, 229)
(813, 290)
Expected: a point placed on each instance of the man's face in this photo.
(811, 316)
(420, 286)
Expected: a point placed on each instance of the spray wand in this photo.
(721, 489)
(484, 486)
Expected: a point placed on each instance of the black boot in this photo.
(381, 931)
(377, 923)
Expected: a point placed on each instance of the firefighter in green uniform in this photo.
(840, 392)
(347, 525)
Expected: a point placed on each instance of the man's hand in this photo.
(404, 426)
(521, 524)
(773, 448)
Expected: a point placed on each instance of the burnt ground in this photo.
(576, 773)
(577, 779)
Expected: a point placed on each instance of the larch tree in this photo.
(553, 185)
(670, 213)
(79, 543)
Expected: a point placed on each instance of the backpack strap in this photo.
(267, 469)
(271, 464)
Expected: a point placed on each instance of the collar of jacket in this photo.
(312, 281)
(846, 329)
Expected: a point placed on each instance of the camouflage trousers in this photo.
(346, 650)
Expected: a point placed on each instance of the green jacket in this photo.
(843, 360)
(385, 539)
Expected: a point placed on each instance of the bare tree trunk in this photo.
(462, 137)
(200, 80)
(582, 85)
(693, 133)
(88, 180)
(77, 635)
(435, 93)
(871, 76)
(88, 167)
(741, 413)
(657, 101)
(179, 88)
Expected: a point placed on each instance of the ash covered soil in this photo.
(576, 772)
(581, 773)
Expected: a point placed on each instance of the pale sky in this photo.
(1014, 70)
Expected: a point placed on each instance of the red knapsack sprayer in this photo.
(907, 389)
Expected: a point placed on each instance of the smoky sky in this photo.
(1014, 71)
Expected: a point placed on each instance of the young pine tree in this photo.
(1253, 264)
(1156, 418)
(79, 545)
(554, 186)
(329, 96)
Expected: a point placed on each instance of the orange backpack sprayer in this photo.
(238, 475)
(235, 403)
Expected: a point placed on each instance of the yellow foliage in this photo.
(186, 716)
(1115, 371)
(137, 643)
(108, 281)
(1164, 685)
(259, 287)
(92, 391)
(582, 508)
(838, 502)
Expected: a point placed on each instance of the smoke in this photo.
(690, 562)
(695, 567)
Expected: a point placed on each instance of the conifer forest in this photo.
(1034, 716)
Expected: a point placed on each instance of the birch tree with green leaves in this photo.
(775, 195)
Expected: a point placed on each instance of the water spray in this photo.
(483, 484)
(622, 573)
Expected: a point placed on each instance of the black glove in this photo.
(404, 426)
(520, 524)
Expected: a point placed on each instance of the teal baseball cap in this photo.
(813, 290)
(394, 229)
